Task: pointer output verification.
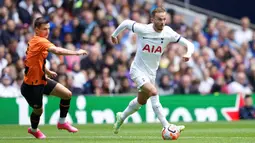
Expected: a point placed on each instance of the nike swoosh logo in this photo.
(171, 131)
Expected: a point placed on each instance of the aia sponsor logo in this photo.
(152, 49)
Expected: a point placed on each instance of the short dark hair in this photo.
(247, 96)
(157, 10)
(40, 21)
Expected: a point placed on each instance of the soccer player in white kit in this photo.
(154, 37)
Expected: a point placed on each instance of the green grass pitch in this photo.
(209, 132)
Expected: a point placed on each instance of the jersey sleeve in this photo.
(173, 36)
(138, 28)
(45, 44)
(131, 25)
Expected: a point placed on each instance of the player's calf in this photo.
(64, 107)
(142, 98)
(149, 89)
(62, 124)
(38, 111)
(35, 118)
(67, 95)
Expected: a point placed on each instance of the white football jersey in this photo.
(152, 46)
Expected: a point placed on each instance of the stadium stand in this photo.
(223, 61)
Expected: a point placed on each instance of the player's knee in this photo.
(154, 92)
(68, 95)
(142, 101)
(38, 111)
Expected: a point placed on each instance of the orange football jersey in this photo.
(35, 61)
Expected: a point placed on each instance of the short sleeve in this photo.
(46, 45)
(174, 36)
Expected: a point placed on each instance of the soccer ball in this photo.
(170, 133)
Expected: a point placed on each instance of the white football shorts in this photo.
(141, 77)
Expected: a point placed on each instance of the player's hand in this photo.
(82, 52)
(52, 74)
(114, 40)
(185, 58)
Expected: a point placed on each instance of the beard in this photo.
(160, 27)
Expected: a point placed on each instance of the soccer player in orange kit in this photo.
(36, 83)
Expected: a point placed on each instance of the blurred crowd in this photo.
(223, 61)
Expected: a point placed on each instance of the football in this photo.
(170, 133)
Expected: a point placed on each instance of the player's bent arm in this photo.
(47, 71)
(126, 24)
(51, 74)
(188, 45)
(62, 51)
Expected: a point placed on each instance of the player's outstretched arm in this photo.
(62, 51)
(189, 46)
(126, 24)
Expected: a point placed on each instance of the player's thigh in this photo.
(33, 95)
(59, 90)
(139, 77)
(149, 88)
(51, 84)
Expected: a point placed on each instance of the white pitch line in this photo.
(116, 137)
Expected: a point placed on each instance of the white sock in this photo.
(62, 120)
(132, 108)
(33, 130)
(158, 110)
